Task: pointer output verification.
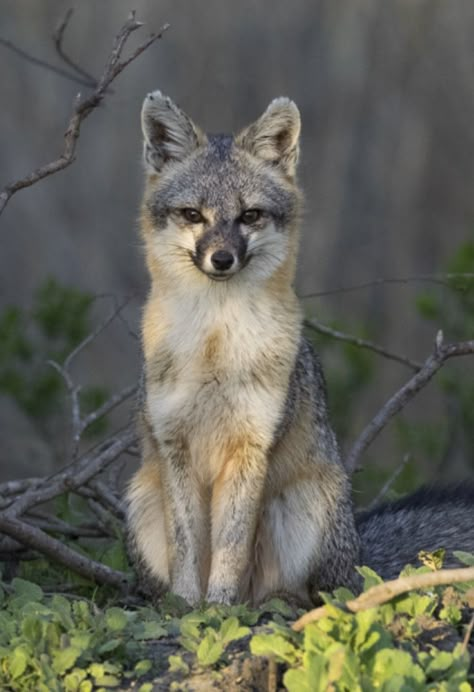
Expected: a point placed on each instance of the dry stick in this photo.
(363, 343)
(61, 72)
(388, 484)
(58, 37)
(73, 391)
(381, 593)
(108, 498)
(467, 636)
(432, 364)
(94, 334)
(114, 66)
(18, 486)
(74, 476)
(108, 406)
(441, 279)
(38, 540)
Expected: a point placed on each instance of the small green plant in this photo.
(58, 321)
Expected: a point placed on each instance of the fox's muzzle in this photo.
(221, 252)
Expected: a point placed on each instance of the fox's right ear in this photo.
(168, 132)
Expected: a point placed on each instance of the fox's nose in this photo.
(222, 260)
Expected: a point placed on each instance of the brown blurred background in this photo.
(386, 92)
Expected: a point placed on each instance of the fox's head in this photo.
(217, 207)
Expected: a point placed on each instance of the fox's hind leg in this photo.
(306, 540)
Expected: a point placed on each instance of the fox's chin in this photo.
(219, 277)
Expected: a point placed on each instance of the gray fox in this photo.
(242, 492)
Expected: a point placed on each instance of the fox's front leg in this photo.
(236, 501)
(185, 523)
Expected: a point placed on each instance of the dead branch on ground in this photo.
(28, 528)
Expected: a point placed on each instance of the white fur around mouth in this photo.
(219, 277)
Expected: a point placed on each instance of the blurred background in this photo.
(386, 93)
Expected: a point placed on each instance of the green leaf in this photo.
(146, 687)
(230, 630)
(209, 650)
(394, 666)
(177, 665)
(298, 681)
(65, 659)
(143, 667)
(17, 662)
(116, 619)
(27, 589)
(371, 578)
(276, 605)
(73, 680)
(31, 629)
(465, 558)
(149, 630)
(273, 645)
(111, 645)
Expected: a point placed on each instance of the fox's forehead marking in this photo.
(220, 146)
(220, 177)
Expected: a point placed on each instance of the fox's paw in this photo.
(225, 595)
(190, 592)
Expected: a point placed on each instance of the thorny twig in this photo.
(84, 106)
(432, 364)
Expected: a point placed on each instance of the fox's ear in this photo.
(275, 135)
(168, 133)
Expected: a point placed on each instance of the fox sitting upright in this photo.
(241, 493)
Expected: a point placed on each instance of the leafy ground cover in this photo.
(418, 641)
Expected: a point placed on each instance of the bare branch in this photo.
(382, 593)
(83, 108)
(440, 279)
(58, 37)
(108, 498)
(73, 391)
(467, 636)
(75, 475)
(395, 404)
(388, 484)
(37, 539)
(61, 72)
(93, 335)
(363, 343)
(108, 406)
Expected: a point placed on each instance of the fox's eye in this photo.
(192, 215)
(250, 216)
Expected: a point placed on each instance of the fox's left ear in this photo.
(274, 137)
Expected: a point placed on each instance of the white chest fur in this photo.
(228, 363)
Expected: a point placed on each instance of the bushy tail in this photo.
(393, 533)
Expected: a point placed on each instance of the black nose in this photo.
(222, 260)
